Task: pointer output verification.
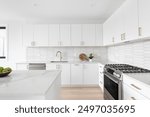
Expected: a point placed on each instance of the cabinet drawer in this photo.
(21, 66)
(138, 86)
(131, 94)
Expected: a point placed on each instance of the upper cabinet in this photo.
(131, 21)
(76, 34)
(54, 37)
(41, 35)
(88, 34)
(65, 35)
(108, 34)
(62, 35)
(98, 35)
(27, 34)
(144, 18)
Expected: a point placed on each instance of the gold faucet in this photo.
(59, 55)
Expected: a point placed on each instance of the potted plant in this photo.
(91, 56)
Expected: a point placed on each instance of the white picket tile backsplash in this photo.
(137, 54)
(68, 53)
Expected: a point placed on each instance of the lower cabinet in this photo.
(76, 74)
(101, 76)
(84, 74)
(90, 74)
(21, 66)
(65, 72)
(131, 94)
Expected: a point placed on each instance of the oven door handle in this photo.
(113, 79)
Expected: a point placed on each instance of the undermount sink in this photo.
(58, 61)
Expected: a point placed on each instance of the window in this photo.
(3, 42)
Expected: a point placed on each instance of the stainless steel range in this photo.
(113, 79)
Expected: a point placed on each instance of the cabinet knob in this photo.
(123, 36)
(140, 31)
(33, 43)
(133, 98)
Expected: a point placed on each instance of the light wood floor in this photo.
(81, 93)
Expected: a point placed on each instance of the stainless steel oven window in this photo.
(112, 88)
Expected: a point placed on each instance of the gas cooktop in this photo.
(125, 68)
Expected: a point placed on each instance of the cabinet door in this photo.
(99, 35)
(65, 74)
(144, 18)
(88, 34)
(131, 94)
(108, 36)
(41, 35)
(51, 66)
(131, 19)
(101, 76)
(21, 66)
(90, 73)
(76, 74)
(54, 35)
(27, 38)
(118, 25)
(65, 35)
(15, 44)
(76, 34)
(27, 34)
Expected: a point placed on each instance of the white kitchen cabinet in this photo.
(76, 35)
(108, 34)
(27, 37)
(101, 76)
(131, 20)
(131, 94)
(51, 66)
(99, 35)
(122, 25)
(54, 35)
(41, 35)
(137, 86)
(65, 72)
(65, 75)
(65, 35)
(15, 45)
(21, 66)
(27, 34)
(76, 74)
(88, 34)
(144, 18)
(90, 74)
(118, 25)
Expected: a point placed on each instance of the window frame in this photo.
(5, 57)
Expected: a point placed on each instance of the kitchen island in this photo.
(31, 85)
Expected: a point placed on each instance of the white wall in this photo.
(137, 54)
(69, 53)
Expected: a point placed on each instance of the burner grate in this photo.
(125, 68)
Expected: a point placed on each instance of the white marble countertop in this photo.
(142, 77)
(30, 82)
(102, 61)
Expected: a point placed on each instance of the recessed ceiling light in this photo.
(35, 4)
(92, 3)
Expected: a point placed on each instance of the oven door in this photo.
(112, 88)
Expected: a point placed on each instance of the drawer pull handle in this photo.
(140, 31)
(133, 98)
(135, 87)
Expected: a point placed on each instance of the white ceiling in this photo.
(96, 10)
